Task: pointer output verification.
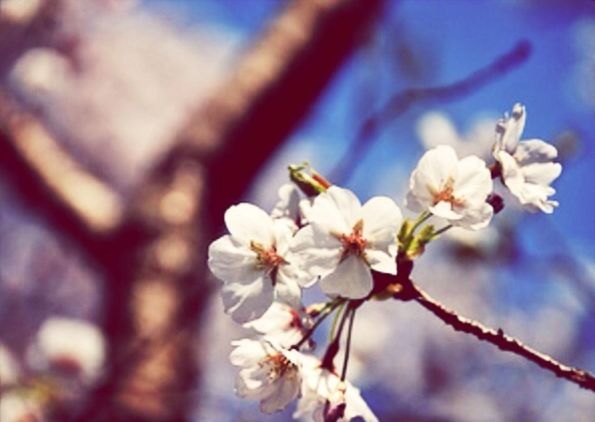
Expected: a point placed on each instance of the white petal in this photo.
(232, 262)
(246, 302)
(247, 222)
(356, 405)
(542, 173)
(288, 204)
(435, 168)
(419, 200)
(473, 181)
(247, 352)
(278, 316)
(286, 389)
(535, 150)
(382, 220)
(476, 218)
(381, 261)
(352, 279)
(336, 210)
(445, 210)
(509, 129)
(317, 252)
(287, 290)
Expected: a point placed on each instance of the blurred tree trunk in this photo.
(156, 265)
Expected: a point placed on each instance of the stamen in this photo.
(268, 259)
(354, 243)
(446, 195)
(277, 366)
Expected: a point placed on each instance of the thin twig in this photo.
(401, 102)
(504, 342)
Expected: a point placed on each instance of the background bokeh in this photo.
(114, 102)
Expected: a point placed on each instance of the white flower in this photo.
(292, 206)
(70, 346)
(527, 166)
(269, 373)
(254, 263)
(19, 406)
(345, 239)
(283, 324)
(9, 368)
(453, 189)
(326, 398)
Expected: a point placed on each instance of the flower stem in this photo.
(422, 218)
(442, 230)
(326, 311)
(331, 333)
(333, 347)
(348, 345)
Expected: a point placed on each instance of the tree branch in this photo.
(401, 102)
(497, 338)
(49, 179)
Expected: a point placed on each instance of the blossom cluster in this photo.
(322, 234)
(65, 355)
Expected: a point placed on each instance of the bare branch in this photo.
(401, 102)
(50, 179)
(502, 341)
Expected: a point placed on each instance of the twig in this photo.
(401, 102)
(502, 341)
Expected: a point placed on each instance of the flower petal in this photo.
(534, 150)
(232, 262)
(286, 389)
(317, 252)
(247, 222)
(246, 302)
(382, 220)
(509, 130)
(473, 181)
(352, 279)
(336, 210)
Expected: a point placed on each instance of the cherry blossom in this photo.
(292, 206)
(527, 166)
(19, 406)
(254, 263)
(269, 373)
(324, 397)
(344, 240)
(452, 188)
(69, 346)
(282, 323)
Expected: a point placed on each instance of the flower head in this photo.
(254, 263)
(69, 346)
(345, 240)
(292, 206)
(326, 398)
(453, 189)
(528, 166)
(283, 324)
(269, 373)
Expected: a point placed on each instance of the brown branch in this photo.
(497, 337)
(401, 102)
(49, 179)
